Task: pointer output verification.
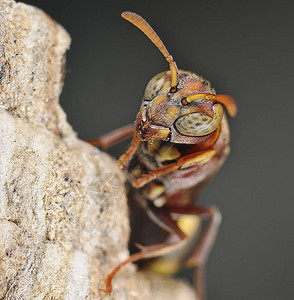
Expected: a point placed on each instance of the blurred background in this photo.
(245, 49)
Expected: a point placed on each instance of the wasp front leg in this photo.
(186, 161)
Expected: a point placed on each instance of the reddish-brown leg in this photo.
(204, 246)
(146, 252)
(153, 250)
(130, 152)
(162, 217)
(171, 223)
(113, 137)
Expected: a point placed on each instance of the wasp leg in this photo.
(161, 216)
(184, 162)
(146, 252)
(130, 152)
(206, 241)
(113, 137)
(154, 250)
(172, 224)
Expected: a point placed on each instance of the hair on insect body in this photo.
(180, 139)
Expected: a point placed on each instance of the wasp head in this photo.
(189, 113)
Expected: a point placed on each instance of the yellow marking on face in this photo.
(159, 133)
(159, 100)
(172, 112)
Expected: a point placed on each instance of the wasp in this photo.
(180, 139)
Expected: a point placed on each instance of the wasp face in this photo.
(173, 111)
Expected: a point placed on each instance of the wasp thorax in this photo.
(200, 124)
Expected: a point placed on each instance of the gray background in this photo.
(245, 48)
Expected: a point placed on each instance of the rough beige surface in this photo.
(63, 211)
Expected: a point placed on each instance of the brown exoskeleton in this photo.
(180, 140)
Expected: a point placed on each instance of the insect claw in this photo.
(106, 291)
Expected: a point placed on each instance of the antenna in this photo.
(142, 24)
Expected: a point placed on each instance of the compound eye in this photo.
(200, 124)
(154, 86)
